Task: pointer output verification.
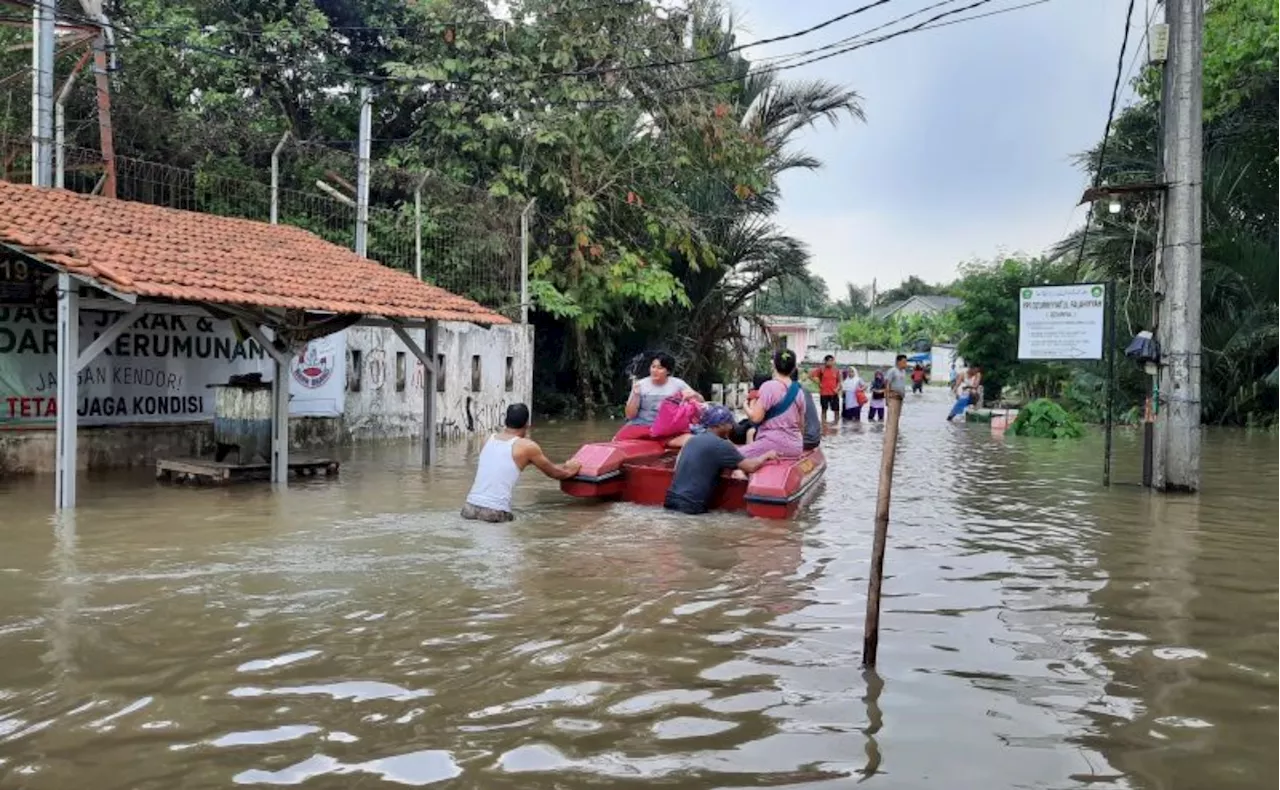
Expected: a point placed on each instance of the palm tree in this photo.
(752, 251)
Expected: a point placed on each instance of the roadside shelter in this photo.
(280, 285)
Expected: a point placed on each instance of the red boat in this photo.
(640, 471)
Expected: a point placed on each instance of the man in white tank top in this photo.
(503, 458)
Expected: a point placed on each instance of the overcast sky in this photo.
(970, 132)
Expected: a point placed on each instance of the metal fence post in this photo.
(524, 262)
(417, 226)
(275, 178)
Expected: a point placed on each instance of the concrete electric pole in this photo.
(42, 30)
(362, 172)
(1177, 433)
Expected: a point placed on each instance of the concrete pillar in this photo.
(68, 395)
(280, 420)
(429, 395)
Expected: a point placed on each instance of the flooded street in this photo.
(1039, 631)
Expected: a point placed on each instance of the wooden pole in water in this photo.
(871, 630)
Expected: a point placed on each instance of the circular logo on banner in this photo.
(1026, 293)
(1097, 291)
(314, 364)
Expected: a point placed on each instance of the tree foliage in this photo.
(916, 332)
(654, 188)
(1239, 273)
(912, 286)
(1044, 419)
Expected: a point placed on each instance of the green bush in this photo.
(1042, 418)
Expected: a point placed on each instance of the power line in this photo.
(926, 24)
(903, 18)
(857, 36)
(133, 32)
(1106, 132)
(930, 23)
(840, 48)
(448, 23)
(1137, 52)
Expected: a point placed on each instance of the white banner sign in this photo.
(1061, 321)
(158, 370)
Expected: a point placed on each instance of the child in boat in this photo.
(702, 459)
(779, 411)
(744, 431)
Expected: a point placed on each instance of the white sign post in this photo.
(1062, 322)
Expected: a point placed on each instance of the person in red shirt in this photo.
(918, 379)
(828, 378)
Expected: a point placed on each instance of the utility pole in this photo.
(1177, 433)
(43, 17)
(362, 173)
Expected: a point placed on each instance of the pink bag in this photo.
(675, 416)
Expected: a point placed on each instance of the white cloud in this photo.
(967, 150)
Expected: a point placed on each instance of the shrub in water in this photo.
(1047, 420)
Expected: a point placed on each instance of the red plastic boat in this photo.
(640, 471)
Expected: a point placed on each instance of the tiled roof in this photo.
(185, 256)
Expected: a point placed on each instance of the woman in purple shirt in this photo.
(779, 411)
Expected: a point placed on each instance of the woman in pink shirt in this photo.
(779, 411)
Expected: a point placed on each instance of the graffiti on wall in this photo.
(376, 369)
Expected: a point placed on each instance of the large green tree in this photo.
(653, 187)
(1239, 285)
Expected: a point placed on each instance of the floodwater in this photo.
(1039, 631)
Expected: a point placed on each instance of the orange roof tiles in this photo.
(185, 256)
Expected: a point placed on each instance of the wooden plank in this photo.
(223, 472)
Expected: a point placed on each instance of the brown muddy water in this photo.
(1039, 630)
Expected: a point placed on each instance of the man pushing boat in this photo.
(702, 458)
(504, 457)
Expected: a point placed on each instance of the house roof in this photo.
(166, 253)
(934, 304)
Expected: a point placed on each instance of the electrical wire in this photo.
(808, 61)
(133, 32)
(932, 22)
(1137, 52)
(448, 23)
(1106, 132)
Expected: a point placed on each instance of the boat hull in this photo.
(640, 472)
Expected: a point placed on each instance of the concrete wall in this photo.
(384, 390)
(25, 451)
(383, 402)
(857, 357)
(942, 358)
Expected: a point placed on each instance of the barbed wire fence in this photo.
(456, 236)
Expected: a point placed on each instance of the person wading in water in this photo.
(504, 457)
(703, 458)
(828, 380)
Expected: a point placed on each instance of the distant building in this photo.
(811, 337)
(798, 333)
(917, 305)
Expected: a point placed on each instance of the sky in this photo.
(967, 149)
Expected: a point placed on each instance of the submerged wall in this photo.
(485, 370)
